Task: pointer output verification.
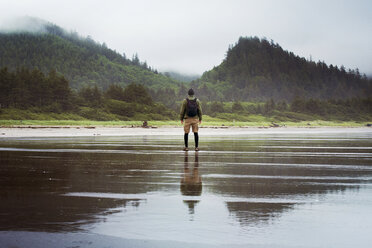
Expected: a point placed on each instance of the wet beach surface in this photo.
(309, 188)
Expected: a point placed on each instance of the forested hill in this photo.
(82, 61)
(256, 69)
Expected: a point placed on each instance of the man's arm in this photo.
(200, 113)
(183, 110)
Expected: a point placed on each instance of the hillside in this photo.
(50, 71)
(82, 61)
(255, 69)
(34, 94)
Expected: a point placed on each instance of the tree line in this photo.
(31, 89)
(357, 109)
(25, 88)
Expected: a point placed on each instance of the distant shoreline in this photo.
(162, 126)
(96, 131)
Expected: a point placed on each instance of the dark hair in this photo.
(191, 92)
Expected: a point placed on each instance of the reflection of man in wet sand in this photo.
(191, 183)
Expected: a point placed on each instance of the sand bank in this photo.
(70, 131)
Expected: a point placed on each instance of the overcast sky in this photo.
(192, 36)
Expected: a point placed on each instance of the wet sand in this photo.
(70, 131)
(134, 187)
(83, 240)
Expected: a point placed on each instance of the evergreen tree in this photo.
(137, 93)
(237, 107)
(115, 92)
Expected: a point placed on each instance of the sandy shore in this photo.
(125, 131)
(24, 239)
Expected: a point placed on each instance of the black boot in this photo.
(186, 139)
(196, 138)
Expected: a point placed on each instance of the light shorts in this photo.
(193, 122)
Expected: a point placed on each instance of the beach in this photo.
(100, 186)
(77, 131)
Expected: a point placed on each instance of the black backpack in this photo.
(191, 107)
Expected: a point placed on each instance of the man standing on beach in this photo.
(191, 116)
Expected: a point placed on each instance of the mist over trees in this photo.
(180, 76)
(82, 61)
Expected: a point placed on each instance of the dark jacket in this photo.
(183, 112)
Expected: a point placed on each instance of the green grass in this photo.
(20, 114)
(67, 123)
(208, 122)
(17, 117)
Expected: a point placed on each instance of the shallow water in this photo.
(284, 189)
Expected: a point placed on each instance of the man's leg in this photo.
(186, 139)
(195, 129)
(186, 128)
(196, 138)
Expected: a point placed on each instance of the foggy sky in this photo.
(192, 36)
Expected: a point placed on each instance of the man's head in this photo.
(190, 92)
